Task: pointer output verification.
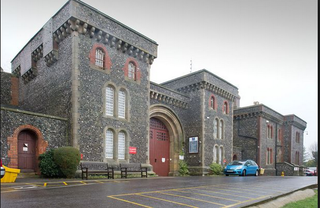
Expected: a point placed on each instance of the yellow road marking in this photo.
(231, 205)
(83, 182)
(187, 205)
(65, 183)
(99, 181)
(227, 194)
(192, 198)
(208, 195)
(112, 197)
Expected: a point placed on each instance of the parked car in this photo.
(2, 169)
(242, 168)
(311, 172)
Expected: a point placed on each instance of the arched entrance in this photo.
(159, 146)
(27, 151)
(16, 147)
(166, 123)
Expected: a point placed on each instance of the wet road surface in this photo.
(217, 191)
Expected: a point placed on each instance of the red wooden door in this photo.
(159, 147)
(26, 151)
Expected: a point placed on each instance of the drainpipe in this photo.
(275, 151)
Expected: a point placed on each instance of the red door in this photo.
(159, 147)
(26, 151)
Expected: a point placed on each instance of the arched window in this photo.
(221, 129)
(109, 101)
(215, 154)
(121, 145)
(279, 155)
(109, 144)
(215, 128)
(122, 104)
(225, 107)
(220, 155)
(213, 102)
(99, 57)
(132, 71)
(279, 136)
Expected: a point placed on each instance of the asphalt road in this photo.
(217, 191)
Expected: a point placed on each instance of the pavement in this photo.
(276, 201)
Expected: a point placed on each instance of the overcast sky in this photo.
(266, 48)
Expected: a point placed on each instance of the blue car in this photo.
(242, 168)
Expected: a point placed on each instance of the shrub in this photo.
(215, 169)
(183, 168)
(67, 159)
(48, 167)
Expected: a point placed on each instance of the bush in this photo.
(215, 169)
(48, 167)
(183, 168)
(67, 159)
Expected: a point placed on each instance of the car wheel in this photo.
(257, 173)
(227, 174)
(244, 173)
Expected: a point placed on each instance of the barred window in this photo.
(132, 71)
(109, 101)
(99, 57)
(121, 145)
(122, 104)
(213, 102)
(109, 144)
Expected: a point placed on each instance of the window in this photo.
(132, 71)
(225, 109)
(109, 101)
(215, 128)
(121, 145)
(99, 58)
(279, 155)
(220, 155)
(269, 156)
(279, 136)
(221, 129)
(212, 102)
(122, 104)
(269, 132)
(109, 144)
(216, 154)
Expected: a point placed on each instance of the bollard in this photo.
(282, 173)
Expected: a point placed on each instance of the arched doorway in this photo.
(170, 128)
(159, 145)
(27, 151)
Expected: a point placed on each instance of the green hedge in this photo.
(215, 169)
(61, 162)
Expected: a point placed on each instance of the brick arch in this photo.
(41, 146)
(126, 66)
(92, 56)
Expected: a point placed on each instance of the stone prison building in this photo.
(83, 80)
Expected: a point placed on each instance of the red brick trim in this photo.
(227, 110)
(41, 146)
(126, 66)
(215, 102)
(92, 56)
(14, 91)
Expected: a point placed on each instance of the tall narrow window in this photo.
(214, 154)
(122, 104)
(268, 157)
(109, 144)
(109, 101)
(212, 102)
(215, 128)
(132, 71)
(121, 145)
(99, 57)
(217, 154)
(220, 155)
(279, 136)
(221, 129)
(225, 108)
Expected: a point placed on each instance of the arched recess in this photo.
(41, 146)
(171, 121)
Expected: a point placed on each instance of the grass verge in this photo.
(311, 202)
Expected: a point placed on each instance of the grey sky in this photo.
(266, 48)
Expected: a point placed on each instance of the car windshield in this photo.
(237, 163)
